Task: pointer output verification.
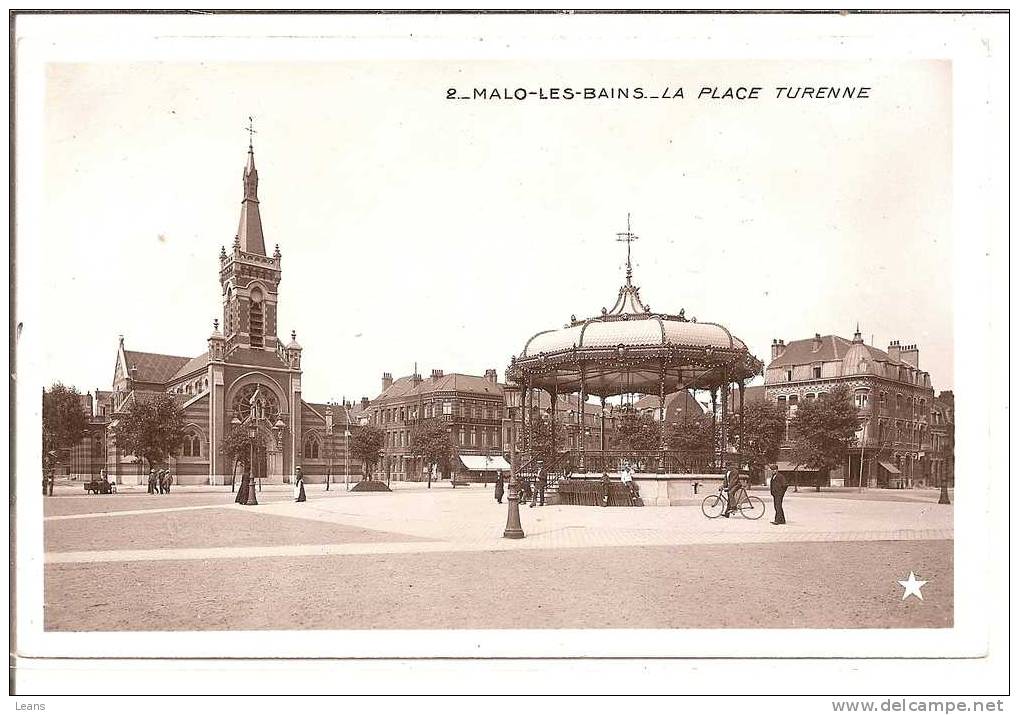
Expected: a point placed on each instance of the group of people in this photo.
(533, 490)
(529, 490)
(160, 481)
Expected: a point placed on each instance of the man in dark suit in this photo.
(778, 487)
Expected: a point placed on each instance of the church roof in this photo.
(339, 414)
(258, 358)
(153, 367)
(249, 229)
(195, 363)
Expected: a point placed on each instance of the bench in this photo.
(98, 486)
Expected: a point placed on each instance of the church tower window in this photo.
(256, 319)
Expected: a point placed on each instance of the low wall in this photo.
(675, 489)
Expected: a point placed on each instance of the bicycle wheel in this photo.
(713, 506)
(752, 508)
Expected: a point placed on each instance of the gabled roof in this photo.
(339, 413)
(192, 365)
(153, 367)
(678, 404)
(453, 382)
(833, 347)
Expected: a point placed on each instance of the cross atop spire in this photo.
(629, 237)
(251, 132)
(249, 230)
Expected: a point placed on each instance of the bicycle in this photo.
(749, 507)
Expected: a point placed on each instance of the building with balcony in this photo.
(894, 397)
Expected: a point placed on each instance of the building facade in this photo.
(482, 415)
(893, 395)
(942, 470)
(247, 378)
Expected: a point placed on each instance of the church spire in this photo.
(249, 230)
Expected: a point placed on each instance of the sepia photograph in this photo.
(431, 336)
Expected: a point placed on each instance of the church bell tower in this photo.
(250, 278)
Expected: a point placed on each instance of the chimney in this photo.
(329, 419)
(492, 376)
(895, 350)
(436, 374)
(777, 348)
(387, 380)
(910, 354)
(364, 403)
(816, 344)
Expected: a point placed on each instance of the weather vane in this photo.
(629, 237)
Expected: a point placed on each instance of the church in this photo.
(247, 378)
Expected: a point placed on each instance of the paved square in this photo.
(419, 558)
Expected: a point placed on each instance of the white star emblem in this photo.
(912, 587)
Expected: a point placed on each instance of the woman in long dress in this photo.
(299, 486)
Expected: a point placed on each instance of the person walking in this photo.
(242, 490)
(299, 494)
(500, 487)
(778, 487)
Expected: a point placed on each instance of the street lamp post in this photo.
(513, 528)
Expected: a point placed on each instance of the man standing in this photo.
(540, 483)
(627, 478)
(778, 487)
(152, 481)
(500, 487)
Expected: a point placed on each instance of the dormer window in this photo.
(817, 371)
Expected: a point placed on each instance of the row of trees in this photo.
(822, 431)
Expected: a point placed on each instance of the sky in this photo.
(417, 229)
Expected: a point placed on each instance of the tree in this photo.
(152, 428)
(238, 445)
(824, 430)
(431, 442)
(638, 435)
(694, 439)
(763, 432)
(542, 446)
(64, 421)
(366, 445)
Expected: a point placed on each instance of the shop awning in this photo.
(890, 467)
(481, 463)
(790, 467)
